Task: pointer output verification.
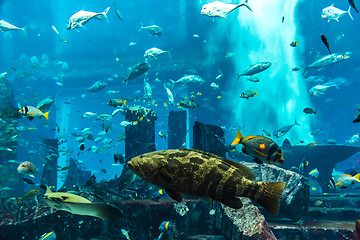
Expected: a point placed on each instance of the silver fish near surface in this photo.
(333, 13)
(80, 18)
(220, 9)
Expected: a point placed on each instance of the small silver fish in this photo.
(154, 52)
(152, 29)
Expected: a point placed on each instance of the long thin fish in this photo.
(352, 3)
(54, 28)
(325, 41)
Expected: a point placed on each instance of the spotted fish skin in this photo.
(199, 174)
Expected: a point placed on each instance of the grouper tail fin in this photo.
(270, 195)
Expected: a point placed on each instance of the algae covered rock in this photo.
(244, 223)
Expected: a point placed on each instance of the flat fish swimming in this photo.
(78, 205)
(199, 174)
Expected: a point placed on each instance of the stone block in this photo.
(209, 138)
(176, 129)
(244, 223)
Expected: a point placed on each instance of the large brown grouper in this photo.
(199, 174)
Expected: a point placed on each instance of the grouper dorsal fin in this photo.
(202, 152)
(244, 170)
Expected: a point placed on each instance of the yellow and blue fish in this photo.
(126, 234)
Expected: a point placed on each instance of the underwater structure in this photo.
(132, 78)
(212, 221)
(177, 129)
(209, 138)
(75, 175)
(49, 176)
(140, 138)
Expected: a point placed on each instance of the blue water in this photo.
(256, 36)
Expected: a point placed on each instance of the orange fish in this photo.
(262, 149)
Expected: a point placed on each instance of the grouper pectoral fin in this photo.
(174, 195)
(244, 170)
(166, 175)
(231, 202)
